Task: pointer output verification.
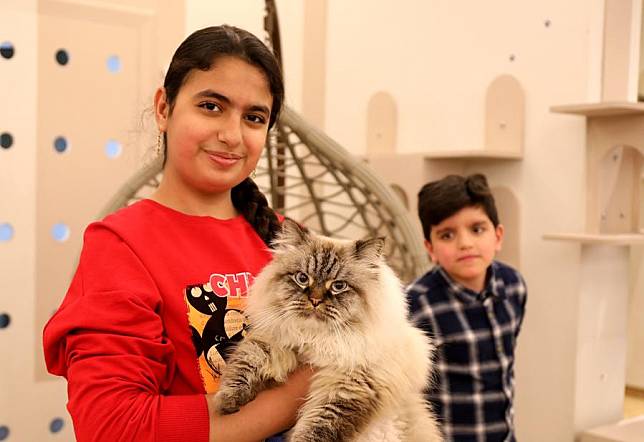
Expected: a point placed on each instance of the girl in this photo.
(160, 288)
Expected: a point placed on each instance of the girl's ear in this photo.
(161, 109)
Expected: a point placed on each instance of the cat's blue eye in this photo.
(302, 279)
(339, 286)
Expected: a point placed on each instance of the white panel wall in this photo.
(27, 409)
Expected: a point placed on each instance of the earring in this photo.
(159, 150)
(253, 174)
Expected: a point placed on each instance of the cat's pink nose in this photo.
(315, 301)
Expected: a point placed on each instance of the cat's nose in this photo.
(315, 301)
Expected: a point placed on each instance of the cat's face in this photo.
(320, 279)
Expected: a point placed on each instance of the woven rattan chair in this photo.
(310, 178)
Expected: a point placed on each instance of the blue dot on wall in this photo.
(62, 57)
(5, 320)
(114, 64)
(56, 425)
(4, 432)
(6, 232)
(6, 49)
(6, 140)
(60, 232)
(60, 144)
(113, 148)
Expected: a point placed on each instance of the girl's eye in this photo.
(257, 119)
(302, 279)
(446, 236)
(339, 286)
(208, 105)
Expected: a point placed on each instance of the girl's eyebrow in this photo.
(209, 93)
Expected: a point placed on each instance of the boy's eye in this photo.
(301, 279)
(339, 286)
(446, 236)
(478, 229)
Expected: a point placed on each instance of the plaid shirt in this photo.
(475, 336)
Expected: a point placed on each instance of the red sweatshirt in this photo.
(155, 303)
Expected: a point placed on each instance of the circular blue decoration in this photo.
(60, 232)
(4, 432)
(62, 57)
(56, 425)
(6, 140)
(114, 64)
(5, 320)
(113, 148)
(6, 49)
(60, 144)
(6, 232)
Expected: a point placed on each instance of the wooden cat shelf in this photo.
(504, 125)
(614, 158)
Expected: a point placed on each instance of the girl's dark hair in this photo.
(438, 200)
(201, 50)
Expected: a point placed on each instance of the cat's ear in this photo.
(292, 233)
(369, 249)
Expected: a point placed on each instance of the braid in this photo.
(251, 202)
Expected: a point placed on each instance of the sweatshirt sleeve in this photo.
(108, 340)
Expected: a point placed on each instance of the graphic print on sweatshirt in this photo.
(217, 321)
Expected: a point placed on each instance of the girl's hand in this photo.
(271, 412)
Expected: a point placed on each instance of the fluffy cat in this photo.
(337, 306)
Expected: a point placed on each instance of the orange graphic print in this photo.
(217, 321)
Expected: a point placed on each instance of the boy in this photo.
(472, 306)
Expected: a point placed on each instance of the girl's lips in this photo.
(467, 257)
(224, 159)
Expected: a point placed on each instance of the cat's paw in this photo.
(230, 400)
(226, 402)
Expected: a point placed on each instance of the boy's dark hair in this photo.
(438, 200)
(201, 50)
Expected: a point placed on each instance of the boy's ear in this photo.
(430, 249)
(499, 232)
(161, 109)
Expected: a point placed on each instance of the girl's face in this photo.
(217, 128)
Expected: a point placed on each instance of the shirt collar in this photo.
(493, 287)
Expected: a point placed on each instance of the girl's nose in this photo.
(230, 131)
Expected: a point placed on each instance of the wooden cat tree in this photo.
(614, 158)
(503, 141)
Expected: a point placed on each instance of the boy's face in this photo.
(464, 245)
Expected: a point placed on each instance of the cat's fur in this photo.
(371, 363)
